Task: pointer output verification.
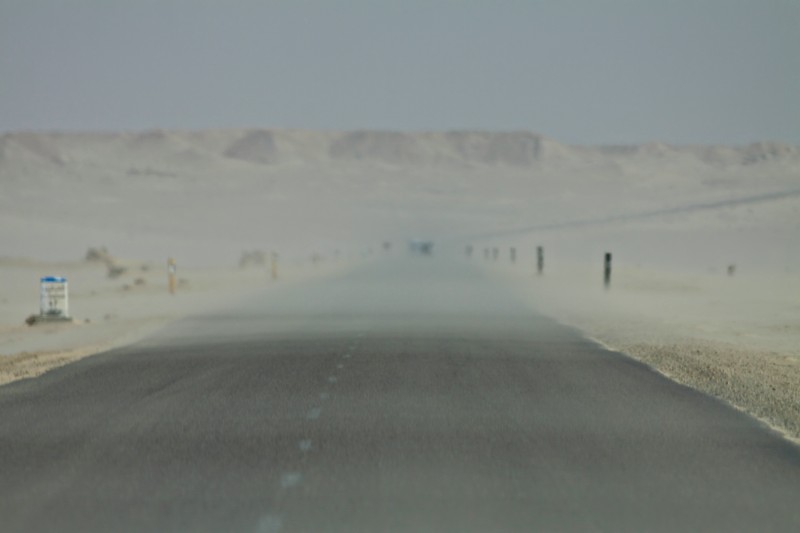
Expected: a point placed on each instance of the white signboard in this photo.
(54, 299)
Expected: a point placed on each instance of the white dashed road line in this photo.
(272, 523)
(291, 479)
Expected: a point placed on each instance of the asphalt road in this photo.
(413, 395)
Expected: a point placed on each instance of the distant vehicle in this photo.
(420, 247)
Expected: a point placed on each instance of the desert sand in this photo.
(111, 312)
(675, 217)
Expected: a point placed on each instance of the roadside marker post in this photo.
(274, 266)
(539, 260)
(607, 270)
(172, 270)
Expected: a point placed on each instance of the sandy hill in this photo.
(675, 217)
(209, 194)
(437, 149)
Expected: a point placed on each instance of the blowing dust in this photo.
(705, 239)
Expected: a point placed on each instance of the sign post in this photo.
(54, 298)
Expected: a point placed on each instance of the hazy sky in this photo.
(580, 71)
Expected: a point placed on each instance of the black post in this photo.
(607, 270)
(513, 253)
(539, 260)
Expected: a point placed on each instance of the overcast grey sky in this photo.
(580, 71)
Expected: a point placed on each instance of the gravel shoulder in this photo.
(764, 384)
(734, 338)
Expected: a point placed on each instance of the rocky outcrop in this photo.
(255, 147)
(158, 153)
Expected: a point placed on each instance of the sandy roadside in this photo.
(735, 338)
(108, 313)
